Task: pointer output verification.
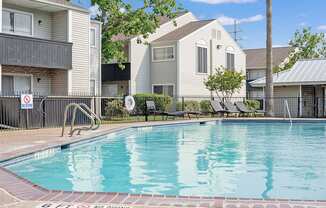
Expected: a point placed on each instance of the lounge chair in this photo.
(194, 113)
(231, 108)
(151, 109)
(243, 108)
(217, 108)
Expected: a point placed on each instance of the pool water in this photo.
(230, 159)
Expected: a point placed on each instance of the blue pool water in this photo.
(231, 159)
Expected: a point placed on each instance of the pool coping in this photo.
(25, 190)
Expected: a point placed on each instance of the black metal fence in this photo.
(49, 111)
(299, 107)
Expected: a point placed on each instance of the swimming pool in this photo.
(227, 159)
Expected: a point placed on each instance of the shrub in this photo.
(252, 104)
(115, 108)
(162, 102)
(205, 106)
(189, 105)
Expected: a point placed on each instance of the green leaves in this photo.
(120, 19)
(224, 82)
(304, 45)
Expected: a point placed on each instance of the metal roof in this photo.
(304, 72)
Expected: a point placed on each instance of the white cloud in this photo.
(321, 27)
(303, 24)
(94, 10)
(225, 20)
(225, 1)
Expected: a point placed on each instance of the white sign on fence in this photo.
(26, 101)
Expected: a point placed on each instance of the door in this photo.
(308, 101)
(110, 90)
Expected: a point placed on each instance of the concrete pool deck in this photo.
(16, 192)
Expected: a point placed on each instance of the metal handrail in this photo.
(90, 113)
(287, 110)
(72, 130)
(98, 123)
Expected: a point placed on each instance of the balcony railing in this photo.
(34, 52)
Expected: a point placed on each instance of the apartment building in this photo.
(48, 47)
(256, 67)
(177, 59)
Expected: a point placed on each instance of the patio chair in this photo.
(194, 113)
(151, 109)
(243, 108)
(217, 108)
(262, 112)
(231, 108)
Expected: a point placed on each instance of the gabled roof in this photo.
(183, 31)
(304, 72)
(163, 20)
(256, 58)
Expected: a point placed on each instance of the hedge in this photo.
(189, 105)
(205, 106)
(162, 102)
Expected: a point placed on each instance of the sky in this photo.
(288, 16)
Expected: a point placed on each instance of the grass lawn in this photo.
(131, 119)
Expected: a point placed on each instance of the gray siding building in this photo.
(48, 47)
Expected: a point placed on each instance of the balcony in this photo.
(34, 52)
(112, 72)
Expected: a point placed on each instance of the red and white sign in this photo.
(26, 101)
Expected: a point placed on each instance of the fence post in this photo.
(43, 114)
(299, 107)
(146, 111)
(27, 119)
(317, 107)
(183, 103)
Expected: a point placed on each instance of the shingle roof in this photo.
(304, 72)
(256, 58)
(163, 20)
(183, 31)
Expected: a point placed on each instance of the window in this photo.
(163, 54)
(16, 22)
(93, 37)
(163, 90)
(230, 61)
(255, 74)
(16, 84)
(202, 59)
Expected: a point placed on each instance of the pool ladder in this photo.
(287, 111)
(82, 107)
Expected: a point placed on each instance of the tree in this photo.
(121, 19)
(224, 82)
(269, 89)
(304, 45)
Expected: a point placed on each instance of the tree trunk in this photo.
(269, 65)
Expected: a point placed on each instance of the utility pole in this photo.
(236, 32)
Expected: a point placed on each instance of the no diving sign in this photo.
(26, 101)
